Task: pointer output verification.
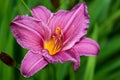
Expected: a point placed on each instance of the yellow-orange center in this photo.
(54, 45)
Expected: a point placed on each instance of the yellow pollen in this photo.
(58, 30)
(54, 45)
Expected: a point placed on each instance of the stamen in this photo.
(58, 30)
(54, 45)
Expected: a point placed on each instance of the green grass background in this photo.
(104, 28)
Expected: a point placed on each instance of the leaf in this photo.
(107, 68)
(98, 10)
(109, 49)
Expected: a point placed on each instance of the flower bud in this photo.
(55, 3)
(5, 58)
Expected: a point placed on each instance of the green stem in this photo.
(89, 74)
(90, 68)
(25, 5)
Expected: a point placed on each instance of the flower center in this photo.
(54, 45)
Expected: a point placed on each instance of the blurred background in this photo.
(104, 28)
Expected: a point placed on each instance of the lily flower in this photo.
(53, 37)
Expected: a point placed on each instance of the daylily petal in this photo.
(74, 24)
(72, 52)
(64, 57)
(41, 13)
(29, 32)
(87, 47)
(32, 63)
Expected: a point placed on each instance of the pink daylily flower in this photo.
(53, 37)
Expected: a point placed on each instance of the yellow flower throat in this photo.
(54, 45)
